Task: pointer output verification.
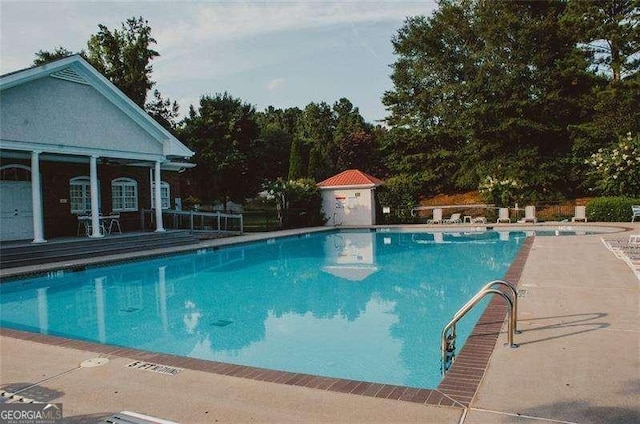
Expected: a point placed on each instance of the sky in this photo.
(279, 53)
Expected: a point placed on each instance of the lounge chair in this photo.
(529, 214)
(453, 219)
(580, 214)
(437, 217)
(503, 215)
(636, 212)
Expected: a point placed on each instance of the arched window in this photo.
(124, 195)
(165, 195)
(80, 194)
(15, 172)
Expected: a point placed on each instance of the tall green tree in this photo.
(269, 153)
(164, 111)
(124, 56)
(485, 85)
(222, 132)
(316, 133)
(296, 161)
(350, 130)
(44, 56)
(357, 150)
(347, 120)
(610, 32)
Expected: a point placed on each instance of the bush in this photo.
(501, 191)
(615, 170)
(611, 209)
(298, 203)
(400, 193)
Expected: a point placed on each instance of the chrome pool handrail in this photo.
(447, 342)
(514, 293)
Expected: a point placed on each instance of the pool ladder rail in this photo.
(448, 341)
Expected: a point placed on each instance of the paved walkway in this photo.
(578, 362)
(579, 354)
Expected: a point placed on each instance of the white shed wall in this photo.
(349, 206)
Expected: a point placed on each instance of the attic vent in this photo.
(69, 74)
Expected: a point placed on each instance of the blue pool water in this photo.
(359, 305)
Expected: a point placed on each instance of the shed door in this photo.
(339, 212)
(16, 210)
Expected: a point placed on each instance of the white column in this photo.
(36, 198)
(100, 309)
(43, 310)
(95, 212)
(162, 297)
(158, 199)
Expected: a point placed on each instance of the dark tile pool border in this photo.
(457, 388)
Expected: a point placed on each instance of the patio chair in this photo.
(580, 214)
(437, 217)
(85, 225)
(530, 214)
(82, 224)
(114, 222)
(636, 212)
(503, 215)
(101, 229)
(453, 219)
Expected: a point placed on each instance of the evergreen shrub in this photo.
(611, 209)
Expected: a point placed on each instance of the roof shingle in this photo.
(350, 177)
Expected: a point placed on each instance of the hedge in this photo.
(611, 209)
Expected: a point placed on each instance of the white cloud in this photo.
(275, 84)
(216, 22)
(285, 52)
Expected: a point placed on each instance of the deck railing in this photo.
(202, 222)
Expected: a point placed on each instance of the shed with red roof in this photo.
(348, 198)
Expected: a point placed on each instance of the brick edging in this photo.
(463, 378)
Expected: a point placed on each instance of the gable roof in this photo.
(350, 178)
(76, 69)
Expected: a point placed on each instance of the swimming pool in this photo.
(359, 305)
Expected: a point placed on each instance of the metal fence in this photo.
(193, 221)
(261, 220)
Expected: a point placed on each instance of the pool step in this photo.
(25, 254)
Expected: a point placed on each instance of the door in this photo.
(16, 210)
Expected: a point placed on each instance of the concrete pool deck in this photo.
(578, 362)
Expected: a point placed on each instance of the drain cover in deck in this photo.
(149, 366)
(93, 362)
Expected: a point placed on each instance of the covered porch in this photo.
(74, 149)
(49, 195)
